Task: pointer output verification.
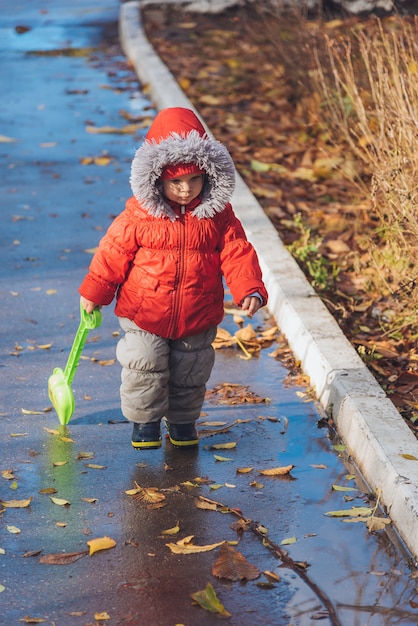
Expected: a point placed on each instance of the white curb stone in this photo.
(369, 424)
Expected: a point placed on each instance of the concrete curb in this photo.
(369, 424)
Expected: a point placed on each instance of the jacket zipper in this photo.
(177, 293)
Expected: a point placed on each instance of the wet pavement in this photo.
(62, 182)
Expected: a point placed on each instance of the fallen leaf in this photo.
(100, 543)
(60, 501)
(203, 503)
(244, 470)
(224, 446)
(62, 558)
(232, 565)
(14, 530)
(149, 495)
(33, 620)
(353, 512)
(59, 463)
(89, 500)
(171, 531)
(221, 458)
(288, 541)
(30, 553)
(409, 457)
(377, 523)
(100, 617)
(8, 474)
(5, 139)
(52, 431)
(16, 504)
(340, 488)
(94, 466)
(29, 412)
(107, 362)
(84, 455)
(186, 546)
(208, 600)
(277, 471)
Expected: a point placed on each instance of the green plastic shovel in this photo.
(59, 383)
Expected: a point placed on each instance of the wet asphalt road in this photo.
(65, 76)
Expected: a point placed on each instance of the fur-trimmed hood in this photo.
(175, 137)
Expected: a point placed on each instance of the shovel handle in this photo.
(87, 322)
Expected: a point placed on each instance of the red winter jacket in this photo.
(165, 262)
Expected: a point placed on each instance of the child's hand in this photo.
(251, 304)
(88, 305)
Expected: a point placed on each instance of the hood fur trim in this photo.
(207, 153)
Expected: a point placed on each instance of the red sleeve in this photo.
(239, 261)
(112, 260)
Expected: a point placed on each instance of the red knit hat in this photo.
(182, 169)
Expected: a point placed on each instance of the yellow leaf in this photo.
(244, 470)
(91, 250)
(94, 466)
(221, 458)
(184, 83)
(277, 471)
(85, 455)
(100, 543)
(28, 412)
(409, 457)
(61, 524)
(16, 504)
(33, 620)
(103, 160)
(377, 523)
(289, 541)
(210, 100)
(171, 531)
(5, 139)
(101, 616)
(59, 463)
(224, 446)
(60, 501)
(354, 511)
(14, 530)
(8, 474)
(89, 500)
(185, 546)
(50, 292)
(52, 431)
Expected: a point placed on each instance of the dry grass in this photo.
(370, 99)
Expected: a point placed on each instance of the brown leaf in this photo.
(232, 565)
(149, 495)
(62, 558)
(277, 471)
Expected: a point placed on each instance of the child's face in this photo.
(183, 189)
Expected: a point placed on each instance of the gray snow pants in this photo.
(163, 377)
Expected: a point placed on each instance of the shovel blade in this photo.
(61, 396)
